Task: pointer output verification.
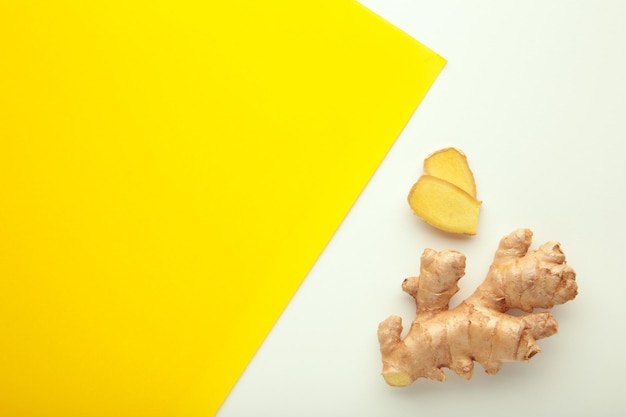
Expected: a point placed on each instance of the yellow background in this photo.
(169, 172)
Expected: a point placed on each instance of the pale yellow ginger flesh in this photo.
(445, 196)
(450, 164)
(444, 205)
(477, 330)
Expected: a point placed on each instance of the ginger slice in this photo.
(444, 205)
(450, 164)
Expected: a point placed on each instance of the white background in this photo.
(534, 93)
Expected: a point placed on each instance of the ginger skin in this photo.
(478, 329)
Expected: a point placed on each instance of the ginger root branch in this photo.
(477, 330)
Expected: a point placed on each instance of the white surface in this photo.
(534, 92)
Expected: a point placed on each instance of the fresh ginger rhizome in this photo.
(478, 329)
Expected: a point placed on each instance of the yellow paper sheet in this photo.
(169, 173)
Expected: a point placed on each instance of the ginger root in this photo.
(445, 196)
(478, 329)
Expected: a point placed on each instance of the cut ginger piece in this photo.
(450, 164)
(444, 205)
